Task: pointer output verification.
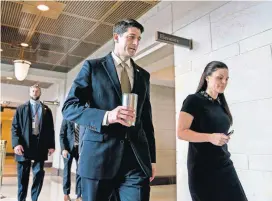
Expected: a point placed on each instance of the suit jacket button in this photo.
(122, 141)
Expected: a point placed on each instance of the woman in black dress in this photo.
(204, 122)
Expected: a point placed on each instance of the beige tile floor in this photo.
(52, 187)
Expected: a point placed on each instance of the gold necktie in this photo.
(125, 83)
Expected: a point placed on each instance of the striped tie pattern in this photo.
(76, 134)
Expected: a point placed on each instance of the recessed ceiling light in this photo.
(9, 78)
(43, 7)
(24, 44)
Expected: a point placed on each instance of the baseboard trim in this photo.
(159, 180)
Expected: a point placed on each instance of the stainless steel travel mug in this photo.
(130, 100)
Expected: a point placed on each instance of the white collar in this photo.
(118, 61)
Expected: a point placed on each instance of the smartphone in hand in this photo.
(230, 133)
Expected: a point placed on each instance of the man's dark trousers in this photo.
(67, 173)
(131, 184)
(23, 171)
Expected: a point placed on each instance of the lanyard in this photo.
(37, 109)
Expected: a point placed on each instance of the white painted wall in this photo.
(51, 94)
(14, 93)
(239, 34)
(61, 91)
(163, 112)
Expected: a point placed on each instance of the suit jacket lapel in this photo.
(42, 117)
(72, 125)
(28, 117)
(136, 82)
(137, 85)
(109, 66)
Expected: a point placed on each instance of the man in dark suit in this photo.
(33, 138)
(69, 141)
(114, 155)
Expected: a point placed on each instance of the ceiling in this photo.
(25, 82)
(156, 55)
(65, 35)
(160, 64)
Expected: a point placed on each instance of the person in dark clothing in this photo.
(204, 122)
(69, 143)
(114, 156)
(33, 138)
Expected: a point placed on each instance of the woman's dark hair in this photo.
(123, 25)
(209, 69)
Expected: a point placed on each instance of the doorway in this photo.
(7, 114)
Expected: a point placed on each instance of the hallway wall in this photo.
(163, 113)
(239, 34)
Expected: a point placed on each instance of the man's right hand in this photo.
(19, 150)
(121, 115)
(65, 153)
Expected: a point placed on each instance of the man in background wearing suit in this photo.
(69, 141)
(33, 138)
(114, 156)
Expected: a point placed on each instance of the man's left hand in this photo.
(50, 151)
(153, 172)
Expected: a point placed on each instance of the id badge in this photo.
(33, 124)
